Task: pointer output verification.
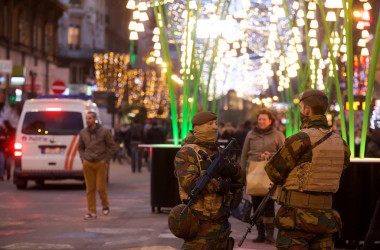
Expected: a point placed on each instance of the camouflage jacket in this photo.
(297, 150)
(188, 169)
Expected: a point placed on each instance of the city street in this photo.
(51, 217)
(296, 83)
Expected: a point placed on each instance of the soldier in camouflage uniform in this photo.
(308, 170)
(213, 208)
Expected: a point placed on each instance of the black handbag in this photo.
(243, 211)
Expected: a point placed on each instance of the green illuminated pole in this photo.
(302, 77)
(205, 93)
(306, 68)
(159, 10)
(197, 80)
(192, 68)
(186, 82)
(211, 66)
(335, 72)
(371, 81)
(132, 54)
(195, 72)
(350, 74)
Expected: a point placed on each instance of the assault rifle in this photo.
(212, 172)
(255, 217)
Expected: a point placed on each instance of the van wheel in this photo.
(22, 185)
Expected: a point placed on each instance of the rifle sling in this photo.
(324, 138)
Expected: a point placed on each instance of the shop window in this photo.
(37, 36)
(23, 29)
(75, 3)
(73, 37)
(48, 38)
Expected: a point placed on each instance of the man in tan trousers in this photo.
(96, 147)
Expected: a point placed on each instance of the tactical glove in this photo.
(229, 170)
(224, 187)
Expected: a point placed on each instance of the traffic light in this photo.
(12, 97)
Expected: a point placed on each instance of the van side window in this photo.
(52, 123)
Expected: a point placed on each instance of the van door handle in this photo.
(52, 163)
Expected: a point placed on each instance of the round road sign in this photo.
(58, 87)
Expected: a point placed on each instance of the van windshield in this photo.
(52, 123)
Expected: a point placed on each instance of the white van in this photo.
(46, 145)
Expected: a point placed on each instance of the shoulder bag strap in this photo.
(324, 138)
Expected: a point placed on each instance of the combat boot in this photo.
(269, 230)
(260, 233)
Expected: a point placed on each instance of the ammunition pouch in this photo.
(183, 225)
(305, 200)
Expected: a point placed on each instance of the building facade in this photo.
(88, 27)
(28, 46)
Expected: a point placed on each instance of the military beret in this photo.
(203, 117)
(313, 92)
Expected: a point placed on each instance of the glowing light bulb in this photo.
(331, 17)
(133, 36)
(131, 5)
(364, 52)
(334, 4)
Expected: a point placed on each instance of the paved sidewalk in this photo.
(51, 217)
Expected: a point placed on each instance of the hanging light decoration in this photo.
(362, 64)
(364, 52)
(131, 4)
(310, 14)
(142, 6)
(367, 6)
(133, 35)
(334, 4)
(331, 16)
(314, 24)
(139, 16)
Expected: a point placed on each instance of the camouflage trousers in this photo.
(211, 236)
(306, 228)
(301, 240)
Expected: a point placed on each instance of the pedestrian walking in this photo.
(260, 144)
(229, 132)
(10, 134)
(241, 133)
(206, 225)
(308, 169)
(3, 138)
(96, 148)
(155, 134)
(136, 138)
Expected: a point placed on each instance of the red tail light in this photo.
(18, 149)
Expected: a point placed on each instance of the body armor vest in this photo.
(323, 173)
(208, 204)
